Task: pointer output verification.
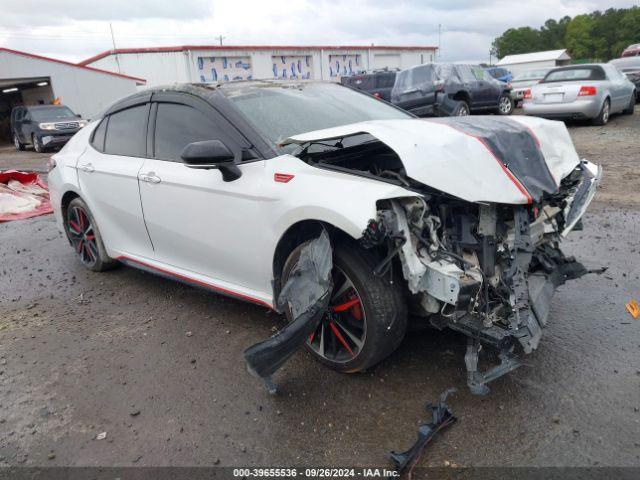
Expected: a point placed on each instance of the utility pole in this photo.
(439, 41)
(220, 38)
(115, 52)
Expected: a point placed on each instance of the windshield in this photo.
(575, 74)
(51, 114)
(281, 111)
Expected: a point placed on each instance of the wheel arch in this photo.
(463, 96)
(66, 199)
(294, 236)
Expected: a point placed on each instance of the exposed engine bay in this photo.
(487, 269)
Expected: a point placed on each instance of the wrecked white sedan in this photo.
(456, 223)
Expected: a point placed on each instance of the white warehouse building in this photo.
(535, 61)
(165, 65)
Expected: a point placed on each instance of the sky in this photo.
(77, 29)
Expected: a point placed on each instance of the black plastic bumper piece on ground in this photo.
(442, 417)
(476, 380)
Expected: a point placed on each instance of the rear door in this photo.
(108, 178)
(196, 220)
(487, 89)
(470, 85)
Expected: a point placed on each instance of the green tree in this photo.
(597, 35)
(578, 38)
(516, 40)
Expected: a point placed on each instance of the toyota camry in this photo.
(452, 223)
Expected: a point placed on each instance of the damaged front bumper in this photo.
(488, 271)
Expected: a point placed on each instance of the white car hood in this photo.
(467, 156)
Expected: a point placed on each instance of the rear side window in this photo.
(99, 135)
(179, 125)
(127, 132)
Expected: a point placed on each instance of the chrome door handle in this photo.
(150, 177)
(87, 168)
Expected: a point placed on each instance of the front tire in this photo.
(367, 317)
(82, 231)
(603, 116)
(37, 144)
(505, 105)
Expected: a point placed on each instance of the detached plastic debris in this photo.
(307, 294)
(22, 195)
(442, 417)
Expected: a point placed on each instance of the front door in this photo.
(196, 220)
(108, 176)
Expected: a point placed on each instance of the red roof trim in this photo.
(182, 48)
(55, 60)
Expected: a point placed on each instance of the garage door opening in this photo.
(21, 91)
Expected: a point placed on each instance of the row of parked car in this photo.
(588, 91)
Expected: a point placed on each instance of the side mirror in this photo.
(211, 154)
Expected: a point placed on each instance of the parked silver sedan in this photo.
(590, 91)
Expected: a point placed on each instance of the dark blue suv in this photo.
(43, 126)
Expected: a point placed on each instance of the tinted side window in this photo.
(99, 135)
(179, 125)
(127, 132)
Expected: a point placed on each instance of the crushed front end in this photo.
(487, 270)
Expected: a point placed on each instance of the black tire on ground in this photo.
(18, 144)
(384, 306)
(603, 116)
(96, 259)
(462, 110)
(630, 110)
(505, 105)
(37, 144)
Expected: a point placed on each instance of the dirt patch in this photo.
(615, 146)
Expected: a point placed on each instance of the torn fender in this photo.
(448, 156)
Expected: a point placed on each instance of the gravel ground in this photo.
(158, 365)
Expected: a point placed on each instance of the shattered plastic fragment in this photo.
(442, 417)
(307, 294)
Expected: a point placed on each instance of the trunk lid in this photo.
(564, 92)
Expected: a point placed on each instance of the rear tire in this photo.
(18, 144)
(383, 310)
(84, 235)
(462, 110)
(631, 109)
(603, 116)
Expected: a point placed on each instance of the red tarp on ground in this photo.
(22, 195)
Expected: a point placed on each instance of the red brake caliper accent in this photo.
(343, 307)
(340, 338)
